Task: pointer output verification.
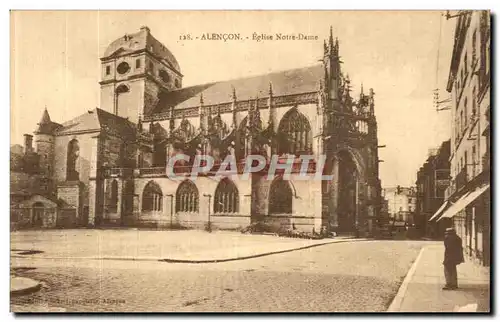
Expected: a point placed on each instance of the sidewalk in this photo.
(421, 290)
(230, 254)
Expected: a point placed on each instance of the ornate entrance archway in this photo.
(348, 193)
(343, 195)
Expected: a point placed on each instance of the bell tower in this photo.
(135, 69)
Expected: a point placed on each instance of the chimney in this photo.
(28, 143)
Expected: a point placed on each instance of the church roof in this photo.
(142, 40)
(288, 82)
(97, 120)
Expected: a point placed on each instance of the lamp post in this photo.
(209, 228)
(171, 208)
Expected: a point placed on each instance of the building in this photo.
(32, 199)
(110, 164)
(433, 178)
(401, 203)
(467, 198)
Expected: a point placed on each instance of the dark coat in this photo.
(453, 253)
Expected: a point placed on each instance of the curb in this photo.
(398, 299)
(26, 290)
(167, 260)
(193, 261)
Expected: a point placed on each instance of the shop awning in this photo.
(440, 210)
(464, 201)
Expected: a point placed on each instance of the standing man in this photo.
(453, 255)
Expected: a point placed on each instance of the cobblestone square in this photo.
(352, 276)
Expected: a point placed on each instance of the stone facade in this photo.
(469, 84)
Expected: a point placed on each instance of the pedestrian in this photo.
(453, 256)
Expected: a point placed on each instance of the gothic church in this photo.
(107, 167)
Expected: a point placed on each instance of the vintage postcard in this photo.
(250, 161)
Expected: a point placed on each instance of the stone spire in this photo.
(330, 40)
(139, 124)
(45, 117)
(45, 124)
(172, 121)
(270, 104)
(203, 116)
(371, 101)
(233, 108)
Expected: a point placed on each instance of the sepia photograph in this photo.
(250, 161)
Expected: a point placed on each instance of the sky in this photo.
(55, 64)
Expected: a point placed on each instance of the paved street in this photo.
(350, 276)
(149, 244)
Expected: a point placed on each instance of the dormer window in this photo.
(163, 75)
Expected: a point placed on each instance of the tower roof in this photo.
(45, 117)
(46, 126)
(142, 40)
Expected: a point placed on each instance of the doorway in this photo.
(38, 214)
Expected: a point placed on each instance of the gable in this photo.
(47, 203)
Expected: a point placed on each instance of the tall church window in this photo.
(226, 197)
(72, 173)
(113, 198)
(137, 63)
(152, 197)
(294, 134)
(280, 197)
(241, 137)
(120, 90)
(187, 197)
(218, 127)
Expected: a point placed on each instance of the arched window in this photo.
(242, 137)
(113, 197)
(218, 127)
(163, 75)
(226, 197)
(280, 197)
(71, 161)
(152, 197)
(294, 134)
(122, 89)
(187, 197)
(185, 132)
(121, 100)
